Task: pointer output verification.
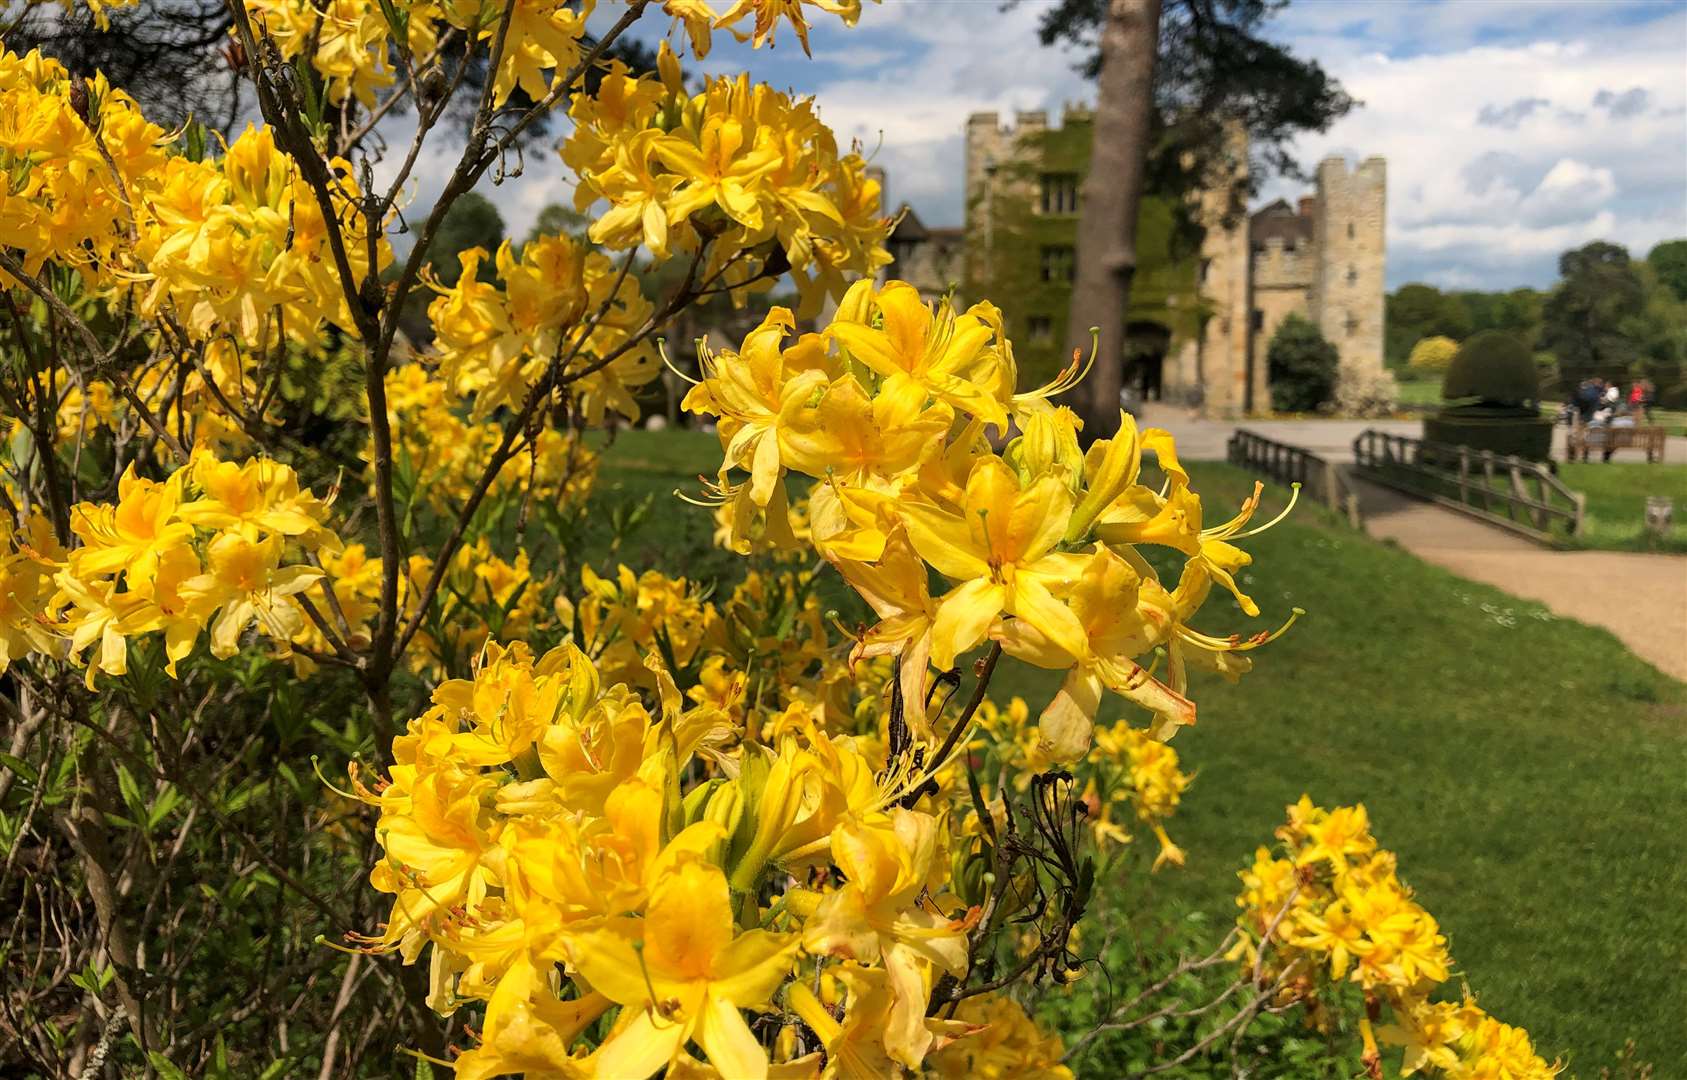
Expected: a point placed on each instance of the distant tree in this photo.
(1301, 366)
(1669, 261)
(555, 219)
(472, 221)
(1433, 354)
(1173, 77)
(1589, 322)
(1518, 313)
(1417, 311)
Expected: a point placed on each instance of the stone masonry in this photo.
(1324, 258)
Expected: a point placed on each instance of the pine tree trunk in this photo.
(1106, 248)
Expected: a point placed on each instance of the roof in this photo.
(1279, 221)
(908, 225)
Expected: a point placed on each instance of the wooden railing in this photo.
(1508, 491)
(1318, 479)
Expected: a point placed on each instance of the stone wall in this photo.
(1281, 281)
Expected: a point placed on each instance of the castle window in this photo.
(1352, 276)
(1042, 329)
(1350, 232)
(1206, 268)
(1057, 263)
(1259, 319)
(1352, 324)
(1060, 193)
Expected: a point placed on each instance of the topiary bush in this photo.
(1492, 388)
(1495, 369)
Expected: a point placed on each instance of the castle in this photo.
(1199, 322)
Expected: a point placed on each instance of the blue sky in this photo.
(1513, 130)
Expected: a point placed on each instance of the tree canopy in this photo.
(1215, 67)
(1669, 261)
(1587, 323)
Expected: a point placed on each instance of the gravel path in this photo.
(1649, 614)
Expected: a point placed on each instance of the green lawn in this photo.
(1415, 391)
(1616, 503)
(1528, 770)
(1672, 420)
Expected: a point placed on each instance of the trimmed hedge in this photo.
(1529, 437)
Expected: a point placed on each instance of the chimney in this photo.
(1308, 204)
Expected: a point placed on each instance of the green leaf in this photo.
(424, 1071)
(21, 767)
(165, 1068)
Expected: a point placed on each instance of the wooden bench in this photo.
(1608, 440)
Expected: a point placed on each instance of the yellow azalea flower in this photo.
(768, 12)
(132, 535)
(681, 974)
(439, 837)
(937, 352)
(259, 495)
(1119, 623)
(855, 1046)
(99, 613)
(1005, 1043)
(247, 582)
(698, 18)
(856, 438)
(756, 392)
(896, 588)
(713, 172)
(1001, 548)
(528, 1031)
(877, 918)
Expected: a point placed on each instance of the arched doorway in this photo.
(1146, 345)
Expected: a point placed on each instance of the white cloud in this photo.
(1507, 195)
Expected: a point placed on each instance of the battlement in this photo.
(1333, 173)
(1026, 122)
(1279, 267)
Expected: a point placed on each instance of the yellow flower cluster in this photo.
(745, 843)
(699, 19)
(739, 166)
(1127, 776)
(1007, 1044)
(235, 245)
(442, 455)
(536, 816)
(352, 43)
(891, 409)
(215, 545)
(555, 303)
(1335, 912)
(187, 396)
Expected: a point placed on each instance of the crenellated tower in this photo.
(1346, 296)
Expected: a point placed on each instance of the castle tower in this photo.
(1348, 280)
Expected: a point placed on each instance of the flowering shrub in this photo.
(1339, 915)
(634, 823)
